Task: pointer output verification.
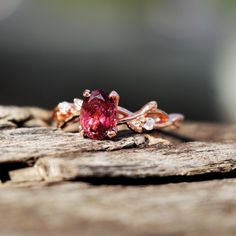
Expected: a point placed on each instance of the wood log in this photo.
(205, 131)
(188, 159)
(200, 208)
(169, 182)
(13, 117)
(29, 144)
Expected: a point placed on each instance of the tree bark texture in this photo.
(169, 182)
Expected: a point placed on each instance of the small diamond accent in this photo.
(64, 107)
(149, 125)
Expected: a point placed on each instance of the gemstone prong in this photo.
(80, 128)
(81, 132)
(86, 93)
(115, 97)
(112, 133)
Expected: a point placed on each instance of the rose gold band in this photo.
(149, 117)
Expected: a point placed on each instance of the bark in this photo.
(131, 185)
(188, 159)
(200, 208)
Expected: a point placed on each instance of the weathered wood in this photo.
(205, 131)
(13, 117)
(27, 145)
(36, 162)
(188, 159)
(203, 208)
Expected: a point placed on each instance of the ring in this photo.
(99, 115)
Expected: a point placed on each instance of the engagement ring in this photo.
(99, 114)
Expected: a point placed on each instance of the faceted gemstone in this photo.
(98, 115)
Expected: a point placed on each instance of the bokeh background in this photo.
(181, 53)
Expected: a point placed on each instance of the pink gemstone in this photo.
(98, 115)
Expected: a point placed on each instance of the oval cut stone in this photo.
(98, 115)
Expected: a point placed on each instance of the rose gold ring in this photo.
(99, 115)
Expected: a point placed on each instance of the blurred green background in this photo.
(181, 53)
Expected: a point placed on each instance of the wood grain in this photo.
(188, 159)
(202, 208)
(13, 117)
(29, 144)
(57, 183)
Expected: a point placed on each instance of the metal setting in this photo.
(149, 117)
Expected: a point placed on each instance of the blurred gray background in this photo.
(181, 53)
